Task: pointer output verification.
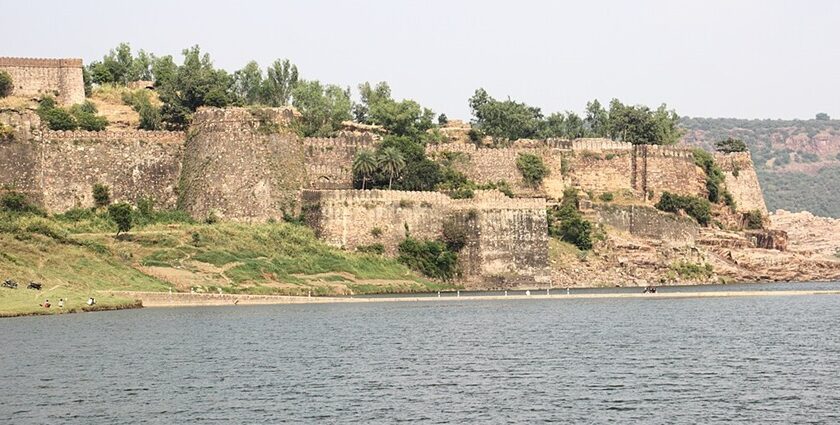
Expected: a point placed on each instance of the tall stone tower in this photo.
(241, 164)
(60, 78)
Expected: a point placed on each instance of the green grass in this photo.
(76, 254)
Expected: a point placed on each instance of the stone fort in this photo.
(244, 164)
(60, 78)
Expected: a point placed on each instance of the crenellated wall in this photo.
(648, 222)
(61, 78)
(507, 238)
(329, 161)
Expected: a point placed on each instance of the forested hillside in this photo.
(798, 161)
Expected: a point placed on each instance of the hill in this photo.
(797, 161)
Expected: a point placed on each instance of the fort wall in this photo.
(742, 180)
(648, 222)
(329, 161)
(506, 238)
(61, 78)
(241, 164)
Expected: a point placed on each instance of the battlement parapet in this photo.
(733, 160)
(483, 200)
(241, 119)
(667, 151)
(40, 63)
(347, 141)
(112, 136)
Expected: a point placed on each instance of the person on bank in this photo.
(46, 304)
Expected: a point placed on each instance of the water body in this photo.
(676, 361)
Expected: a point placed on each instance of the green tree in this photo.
(323, 108)
(403, 118)
(597, 119)
(370, 95)
(248, 84)
(55, 117)
(121, 215)
(195, 83)
(822, 116)
(6, 84)
(364, 165)
(639, 125)
(504, 119)
(281, 79)
(730, 145)
(391, 162)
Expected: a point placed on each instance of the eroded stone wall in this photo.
(507, 238)
(60, 78)
(329, 161)
(742, 180)
(242, 164)
(134, 164)
(648, 222)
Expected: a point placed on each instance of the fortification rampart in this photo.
(742, 180)
(61, 78)
(241, 164)
(58, 169)
(505, 237)
(648, 222)
(329, 161)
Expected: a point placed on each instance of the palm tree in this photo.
(392, 162)
(364, 164)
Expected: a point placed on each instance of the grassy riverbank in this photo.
(76, 256)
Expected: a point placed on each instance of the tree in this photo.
(248, 84)
(391, 161)
(730, 145)
(121, 215)
(323, 108)
(6, 84)
(193, 84)
(597, 119)
(504, 119)
(364, 164)
(822, 116)
(442, 119)
(281, 79)
(403, 118)
(101, 195)
(370, 95)
(639, 125)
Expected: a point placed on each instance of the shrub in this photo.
(429, 257)
(57, 118)
(375, 248)
(731, 145)
(16, 202)
(101, 195)
(566, 223)
(532, 168)
(6, 132)
(754, 220)
(376, 232)
(606, 197)
(454, 235)
(121, 214)
(714, 178)
(6, 84)
(695, 207)
(462, 193)
(687, 270)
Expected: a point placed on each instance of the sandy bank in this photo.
(158, 299)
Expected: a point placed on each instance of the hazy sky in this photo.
(745, 59)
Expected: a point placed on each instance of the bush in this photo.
(76, 116)
(58, 119)
(431, 258)
(687, 270)
(375, 248)
(695, 207)
(101, 195)
(16, 202)
(566, 223)
(121, 214)
(532, 168)
(754, 220)
(6, 84)
(731, 145)
(606, 197)
(376, 232)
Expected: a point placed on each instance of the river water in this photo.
(675, 361)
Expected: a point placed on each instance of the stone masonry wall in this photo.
(241, 164)
(329, 161)
(61, 78)
(507, 238)
(660, 169)
(742, 180)
(133, 164)
(648, 222)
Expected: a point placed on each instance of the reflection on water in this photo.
(750, 360)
